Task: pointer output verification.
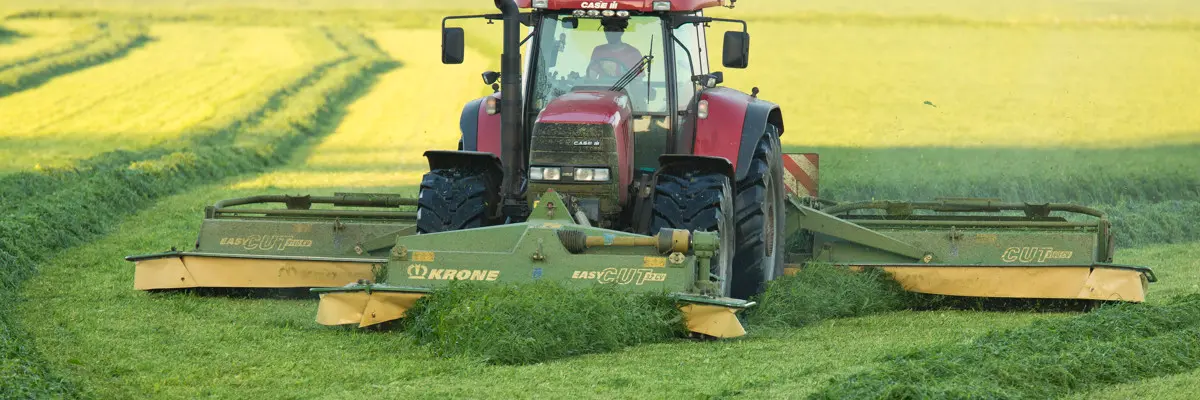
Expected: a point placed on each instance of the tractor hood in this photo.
(586, 129)
(587, 107)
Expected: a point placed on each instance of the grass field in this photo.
(21, 39)
(188, 75)
(1066, 100)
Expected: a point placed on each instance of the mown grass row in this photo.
(537, 322)
(16, 188)
(111, 40)
(1051, 358)
(7, 34)
(80, 37)
(88, 202)
(544, 321)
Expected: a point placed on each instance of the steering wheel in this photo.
(606, 67)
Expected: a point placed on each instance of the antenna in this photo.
(649, 71)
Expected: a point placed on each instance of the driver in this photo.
(613, 59)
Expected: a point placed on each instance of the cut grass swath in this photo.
(536, 322)
(7, 34)
(113, 40)
(1050, 358)
(87, 204)
(81, 34)
(821, 291)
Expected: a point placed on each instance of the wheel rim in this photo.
(773, 242)
(770, 221)
(723, 267)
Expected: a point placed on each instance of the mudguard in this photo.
(735, 123)
(688, 162)
(474, 160)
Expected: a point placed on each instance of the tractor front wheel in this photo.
(698, 202)
(760, 219)
(453, 199)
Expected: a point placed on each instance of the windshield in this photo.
(593, 54)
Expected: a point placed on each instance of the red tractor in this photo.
(618, 111)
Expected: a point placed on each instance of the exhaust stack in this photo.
(512, 138)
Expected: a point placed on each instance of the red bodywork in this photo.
(488, 136)
(629, 5)
(598, 107)
(720, 135)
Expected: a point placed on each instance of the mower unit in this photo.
(971, 247)
(296, 247)
(550, 245)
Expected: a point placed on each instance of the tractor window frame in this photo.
(534, 54)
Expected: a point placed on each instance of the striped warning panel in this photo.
(800, 173)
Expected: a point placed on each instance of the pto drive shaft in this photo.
(666, 241)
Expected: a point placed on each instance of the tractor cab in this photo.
(608, 88)
(654, 61)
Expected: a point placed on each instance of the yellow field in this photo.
(384, 134)
(989, 87)
(1010, 10)
(187, 75)
(37, 36)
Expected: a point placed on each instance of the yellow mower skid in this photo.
(183, 271)
(1083, 283)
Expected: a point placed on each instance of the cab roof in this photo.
(628, 5)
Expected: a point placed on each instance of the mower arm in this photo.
(801, 217)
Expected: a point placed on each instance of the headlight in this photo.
(601, 175)
(540, 3)
(662, 6)
(552, 174)
(583, 174)
(545, 173)
(593, 13)
(591, 174)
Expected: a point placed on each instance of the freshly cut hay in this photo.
(1049, 358)
(6, 34)
(536, 322)
(822, 291)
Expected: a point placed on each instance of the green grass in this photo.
(819, 292)
(84, 204)
(1054, 101)
(7, 35)
(166, 345)
(542, 321)
(1171, 387)
(1116, 344)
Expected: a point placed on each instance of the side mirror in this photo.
(490, 77)
(736, 51)
(452, 45)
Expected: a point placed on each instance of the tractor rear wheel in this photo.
(453, 199)
(698, 202)
(760, 219)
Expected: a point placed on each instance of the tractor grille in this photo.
(573, 145)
